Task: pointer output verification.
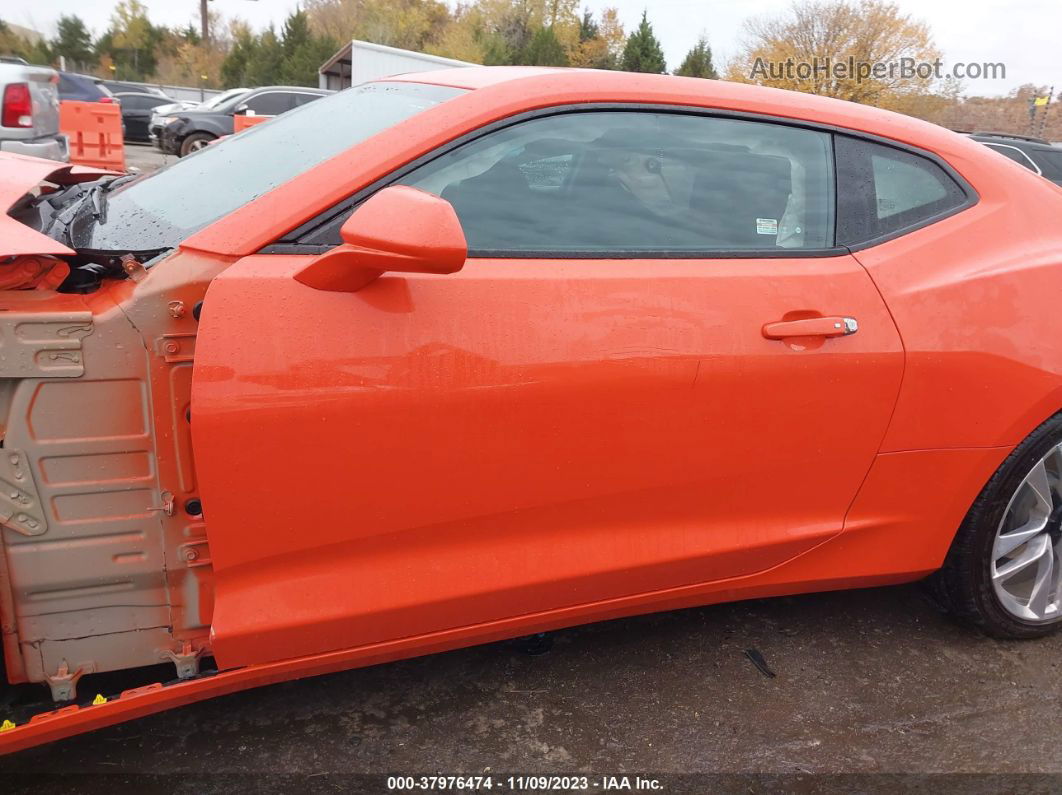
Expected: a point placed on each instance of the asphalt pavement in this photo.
(873, 681)
(146, 157)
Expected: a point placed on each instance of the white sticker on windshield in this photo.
(766, 226)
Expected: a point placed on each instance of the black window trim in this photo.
(971, 197)
(289, 243)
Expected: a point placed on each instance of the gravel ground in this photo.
(873, 682)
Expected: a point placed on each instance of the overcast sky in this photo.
(1022, 34)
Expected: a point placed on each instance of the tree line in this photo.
(534, 32)
(493, 32)
(134, 48)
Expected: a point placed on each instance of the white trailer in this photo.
(361, 61)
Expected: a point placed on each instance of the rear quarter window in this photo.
(883, 191)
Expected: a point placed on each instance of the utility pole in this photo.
(1043, 118)
(204, 20)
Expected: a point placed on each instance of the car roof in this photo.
(473, 77)
(80, 76)
(724, 94)
(13, 69)
(300, 89)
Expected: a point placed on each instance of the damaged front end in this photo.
(104, 563)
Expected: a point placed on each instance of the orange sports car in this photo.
(480, 353)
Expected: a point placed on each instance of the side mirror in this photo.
(399, 229)
(240, 109)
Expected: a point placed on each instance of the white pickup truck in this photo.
(29, 111)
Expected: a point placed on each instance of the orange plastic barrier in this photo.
(240, 122)
(95, 133)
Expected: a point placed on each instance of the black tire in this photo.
(964, 584)
(195, 141)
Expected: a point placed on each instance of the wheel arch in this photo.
(1043, 410)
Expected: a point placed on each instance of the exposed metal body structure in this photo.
(106, 566)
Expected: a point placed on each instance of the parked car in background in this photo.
(120, 87)
(189, 131)
(83, 88)
(137, 109)
(161, 114)
(1035, 154)
(29, 111)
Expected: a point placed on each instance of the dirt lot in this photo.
(872, 681)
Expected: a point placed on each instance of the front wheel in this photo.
(195, 142)
(1003, 573)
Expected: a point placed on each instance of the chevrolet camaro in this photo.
(480, 353)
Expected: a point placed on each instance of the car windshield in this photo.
(159, 211)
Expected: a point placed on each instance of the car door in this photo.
(653, 371)
(136, 112)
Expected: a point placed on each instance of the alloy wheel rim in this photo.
(1026, 565)
(197, 145)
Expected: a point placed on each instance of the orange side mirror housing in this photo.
(399, 229)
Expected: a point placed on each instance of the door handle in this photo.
(811, 327)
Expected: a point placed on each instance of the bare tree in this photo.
(850, 49)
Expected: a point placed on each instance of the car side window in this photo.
(305, 99)
(67, 85)
(607, 183)
(883, 190)
(1048, 162)
(272, 103)
(135, 103)
(1015, 154)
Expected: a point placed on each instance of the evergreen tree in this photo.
(300, 68)
(303, 52)
(74, 43)
(234, 67)
(698, 62)
(545, 49)
(192, 35)
(643, 52)
(296, 32)
(588, 27)
(495, 51)
(265, 61)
